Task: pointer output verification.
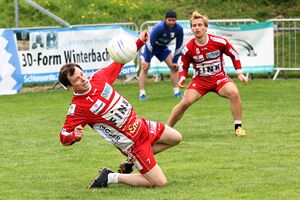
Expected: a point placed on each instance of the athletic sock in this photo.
(237, 124)
(175, 90)
(112, 178)
(142, 92)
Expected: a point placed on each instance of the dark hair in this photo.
(171, 14)
(67, 69)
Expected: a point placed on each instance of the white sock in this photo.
(142, 92)
(175, 90)
(237, 122)
(113, 178)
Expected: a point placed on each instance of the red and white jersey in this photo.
(208, 59)
(104, 110)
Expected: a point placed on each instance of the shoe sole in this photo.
(100, 171)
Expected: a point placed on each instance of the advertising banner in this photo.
(254, 43)
(10, 73)
(42, 52)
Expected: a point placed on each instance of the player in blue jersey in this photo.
(161, 35)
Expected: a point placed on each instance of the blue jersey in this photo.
(161, 35)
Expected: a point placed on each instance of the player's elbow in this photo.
(66, 141)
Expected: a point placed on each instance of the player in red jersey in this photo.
(97, 104)
(205, 52)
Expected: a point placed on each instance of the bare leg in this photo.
(189, 97)
(155, 177)
(174, 75)
(143, 74)
(169, 138)
(230, 91)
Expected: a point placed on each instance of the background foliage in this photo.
(138, 11)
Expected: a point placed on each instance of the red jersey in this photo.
(104, 110)
(207, 59)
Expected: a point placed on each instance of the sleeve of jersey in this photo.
(185, 63)
(179, 42)
(73, 119)
(111, 72)
(67, 136)
(233, 54)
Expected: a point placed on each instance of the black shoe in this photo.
(126, 168)
(101, 180)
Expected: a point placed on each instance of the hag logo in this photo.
(199, 58)
(107, 91)
(97, 107)
(71, 110)
(213, 54)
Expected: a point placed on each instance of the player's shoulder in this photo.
(217, 39)
(159, 26)
(190, 43)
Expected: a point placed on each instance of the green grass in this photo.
(209, 163)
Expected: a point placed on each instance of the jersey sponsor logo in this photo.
(198, 58)
(71, 109)
(207, 69)
(213, 54)
(107, 91)
(113, 136)
(97, 107)
(119, 112)
(64, 132)
(184, 50)
(151, 127)
(221, 80)
(133, 127)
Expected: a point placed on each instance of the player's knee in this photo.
(177, 138)
(145, 66)
(161, 182)
(235, 95)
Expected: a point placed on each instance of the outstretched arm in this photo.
(112, 72)
(233, 54)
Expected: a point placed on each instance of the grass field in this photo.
(209, 163)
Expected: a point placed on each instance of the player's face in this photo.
(198, 28)
(80, 82)
(170, 22)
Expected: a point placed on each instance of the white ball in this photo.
(122, 49)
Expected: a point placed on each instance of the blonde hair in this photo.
(197, 15)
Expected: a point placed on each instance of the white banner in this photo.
(254, 43)
(43, 52)
(10, 73)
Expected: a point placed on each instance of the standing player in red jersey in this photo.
(97, 104)
(205, 52)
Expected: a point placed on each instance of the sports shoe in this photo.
(126, 168)
(178, 95)
(143, 97)
(240, 132)
(101, 180)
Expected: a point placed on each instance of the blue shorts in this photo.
(161, 54)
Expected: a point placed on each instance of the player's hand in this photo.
(78, 131)
(144, 36)
(242, 78)
(181, 82)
